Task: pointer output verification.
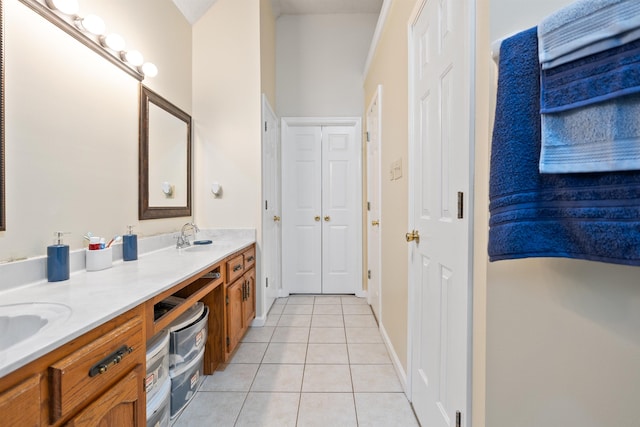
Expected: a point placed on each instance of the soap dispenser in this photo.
(58, 259)
(130, 245)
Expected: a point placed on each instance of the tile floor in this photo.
(318, 361)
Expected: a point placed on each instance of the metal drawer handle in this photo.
(237, 267)
(113, 359)
(251, 258)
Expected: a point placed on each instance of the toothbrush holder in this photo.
(99, 259)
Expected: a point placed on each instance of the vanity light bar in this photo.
(90, 31)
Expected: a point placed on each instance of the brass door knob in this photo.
(414, 235)
(276, 218)
(317, 218)
(327, 218)
(375, 223)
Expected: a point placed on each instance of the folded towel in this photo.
(592, 216)
(587, 27)
(597, 138)
(592, 79)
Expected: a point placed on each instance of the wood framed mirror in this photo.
(165, 158)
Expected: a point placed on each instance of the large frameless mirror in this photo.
(165, 158)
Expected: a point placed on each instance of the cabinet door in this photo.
(123, 405)
(249, 303)
(234, 313)
(20, 405)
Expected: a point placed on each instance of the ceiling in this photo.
(194, 9)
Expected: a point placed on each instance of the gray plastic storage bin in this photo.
(157, 363)
(188, 335)
(158, 407)
(185, 381)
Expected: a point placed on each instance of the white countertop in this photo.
(99, 296)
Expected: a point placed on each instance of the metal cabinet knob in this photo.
(327, 218)
(317, 218)
(375, 223)
(276, 218)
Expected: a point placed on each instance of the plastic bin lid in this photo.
(184, 367)
(159, 398)
(190, 316)
(157, 343)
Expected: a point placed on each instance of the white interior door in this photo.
(271, 231)
(301, 209)
(341, 265)
(373, 202)
(440, 85)
(321, 202)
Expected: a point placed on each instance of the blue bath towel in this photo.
(586, 27)
(592, 216)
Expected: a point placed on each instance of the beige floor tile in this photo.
(368, 354)
(364, 335)
(327, 409)
(290, 334)
(327, 321)
(356, 309)
(280, 378)
(327, 354)
(269, 410)
(298, 309)
(297, 320)
(259, 334)
(272, 320)
(249, 352)
(384, 409)
(350, 299)
(359, 321)
(298, 299)
(375, 379)
(321, 299)
(277, 309)
(285, 353)
(327, 379)
(231, 377)
(328, 309)
(280, 301)
(211, 409)
(327, 335)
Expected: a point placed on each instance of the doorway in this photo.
(374, 220)
(321, 205)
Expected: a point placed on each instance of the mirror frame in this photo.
(3, 211)
(144, 210)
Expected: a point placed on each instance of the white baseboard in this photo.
(282, 293)
(361, 293)
(402, 375)
(259, 321)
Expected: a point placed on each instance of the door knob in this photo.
(317, 218)
(327, 218)
(276, 218)
(375, 223)
(414, 235)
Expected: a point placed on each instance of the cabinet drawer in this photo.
(91, 369)
(20, 405)
(235, 268)
(249, 258)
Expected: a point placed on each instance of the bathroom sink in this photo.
(20, 322)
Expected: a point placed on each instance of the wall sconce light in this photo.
(90, 31)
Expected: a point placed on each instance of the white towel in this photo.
(587, 27)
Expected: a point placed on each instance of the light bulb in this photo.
(92, 24)
(113, 41)
(134, 58)
(149, 69)
(68, 7)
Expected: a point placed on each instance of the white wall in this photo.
(563, 347)
(319, 63)
(72, 123)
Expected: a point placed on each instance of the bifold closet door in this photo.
(320, 202)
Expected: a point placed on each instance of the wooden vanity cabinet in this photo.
(240, 296)
(20, 405)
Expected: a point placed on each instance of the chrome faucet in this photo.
(183, 239)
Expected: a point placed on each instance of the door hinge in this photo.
(265, 126)
(227, 300)
(368, 274)
(368, 206)
(368, 140)
(458, 419)
(228, 341)
(267, 282)
(460, 204)
(266, 205)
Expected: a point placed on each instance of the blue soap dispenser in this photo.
(130, 245)
(58, 259)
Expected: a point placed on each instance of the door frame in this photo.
(469, 199)
(356, 122)
(377, 98)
